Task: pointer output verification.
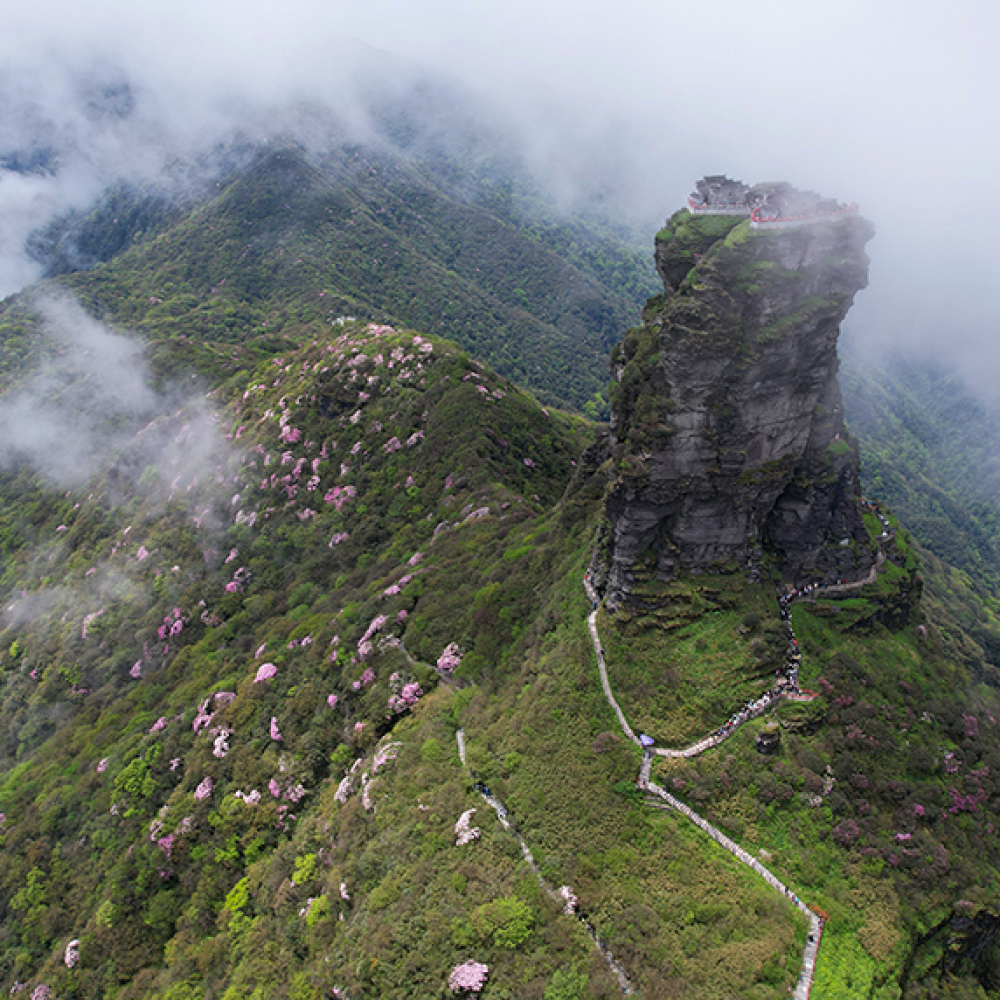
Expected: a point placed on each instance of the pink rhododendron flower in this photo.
(233, 587)
(275, 731)
(72, 954)
(142, 554)
(383, 755)
(464, 832)
(468, 977)
(265, 672)
(344, 894)
(450, 660)
(204, 789)
(158, 725)
(136, 672)
(358, 727)
(343, 791)
(402, 616)
(102, 765)
(233, 554)
(331, 700)
(260, 649)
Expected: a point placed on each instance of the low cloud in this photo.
(71, 416)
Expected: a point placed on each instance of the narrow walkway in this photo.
(763, 704)
(504, 816)
(804, 984)
(815, 923)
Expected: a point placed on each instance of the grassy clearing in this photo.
(681, 672)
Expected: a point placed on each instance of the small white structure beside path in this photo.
(804, 984)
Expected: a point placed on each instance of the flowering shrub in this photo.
(275, 731)
(383, 755)
(204, 789)
(403, 696)
(265, 672)
(569, 899)
(72, 954)
(464, 833)
(469, 977)
(159, 724)
(204, 718)
(846, 833)
(376, 625)
(136, 672)
(343, 792)
(450, 660)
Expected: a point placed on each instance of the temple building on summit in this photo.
(771, 205)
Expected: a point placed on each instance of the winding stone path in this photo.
(504, 816)
(804, 983)
(713, 740)
(645, 784)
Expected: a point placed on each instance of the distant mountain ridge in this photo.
(294, 238)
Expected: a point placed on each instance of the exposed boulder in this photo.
(768, 738)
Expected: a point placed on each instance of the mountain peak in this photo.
(729, 431)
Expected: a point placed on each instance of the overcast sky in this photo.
(894, 105)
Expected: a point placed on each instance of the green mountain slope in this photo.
(235, 659)
(401, 535)
(291, 240)
(929, 449)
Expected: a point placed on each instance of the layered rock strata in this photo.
(727, 420)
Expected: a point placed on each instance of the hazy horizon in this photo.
(890, 107)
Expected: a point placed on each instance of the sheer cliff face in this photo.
(729, 431)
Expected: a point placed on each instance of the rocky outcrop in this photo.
(729, 435)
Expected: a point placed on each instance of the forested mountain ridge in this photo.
(929, 448)
(235, 657)
(293, 238)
